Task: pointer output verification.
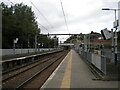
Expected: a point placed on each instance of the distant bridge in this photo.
(60, 34)
(66, 44)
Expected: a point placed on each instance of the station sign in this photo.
(16, 40)
(106, 34)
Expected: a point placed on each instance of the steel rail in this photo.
(39, 72)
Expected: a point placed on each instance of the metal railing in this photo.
(99, 61)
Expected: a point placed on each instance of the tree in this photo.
(45, 41)
(20, 22)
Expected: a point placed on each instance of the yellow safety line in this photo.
(67, 76)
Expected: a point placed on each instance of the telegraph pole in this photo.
(35, 43)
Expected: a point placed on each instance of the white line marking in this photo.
(53, 74)
(34, 55)
(21, 58)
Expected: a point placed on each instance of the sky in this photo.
(82, 16)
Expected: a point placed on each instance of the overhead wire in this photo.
(37, 9)
(64, 16)
(43, 27)
(11, 2)
(41, 13)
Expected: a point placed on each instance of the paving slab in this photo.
(73, 72)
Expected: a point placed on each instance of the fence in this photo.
(21, 51)
(99, 61)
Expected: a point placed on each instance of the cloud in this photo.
(83, 16)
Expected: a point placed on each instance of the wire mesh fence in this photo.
(99, 61)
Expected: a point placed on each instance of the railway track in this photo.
(22, 77)
(42, 56)
(13, 72)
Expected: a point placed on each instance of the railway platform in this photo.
(73, 72)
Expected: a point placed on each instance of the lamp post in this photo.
(112, 10)
(115, 32)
